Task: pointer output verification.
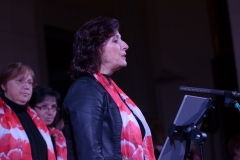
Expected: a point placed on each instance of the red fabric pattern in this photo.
(60, 143)
(132, 129)
(14, 141)
(132, 145)
(20, 148)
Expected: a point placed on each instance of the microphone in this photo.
(209, 91)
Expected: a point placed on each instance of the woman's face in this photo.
(113, 55)
(19, 89)
(47, 109)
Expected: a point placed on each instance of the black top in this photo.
(92, 121)
(138, 120)
(37, 142)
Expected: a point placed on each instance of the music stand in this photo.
(185, 129)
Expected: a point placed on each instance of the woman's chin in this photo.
(124, 64)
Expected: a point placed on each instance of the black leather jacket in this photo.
(92, 122)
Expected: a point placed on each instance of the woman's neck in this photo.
(14, 106)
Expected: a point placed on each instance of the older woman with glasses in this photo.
(45, 102)
(23, 135)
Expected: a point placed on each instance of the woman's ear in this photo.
(3, 87)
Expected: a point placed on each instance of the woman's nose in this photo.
(124, 45)
(27, 86)
(50, 111)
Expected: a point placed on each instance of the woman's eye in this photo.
(53, 106)
(44, 107)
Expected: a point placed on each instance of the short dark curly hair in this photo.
(87, 45)
(41, 92)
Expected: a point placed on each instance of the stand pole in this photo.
(201, 150)
(189, 133)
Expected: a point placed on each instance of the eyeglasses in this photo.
(22, 82)
(46, 108)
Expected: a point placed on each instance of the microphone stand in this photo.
(190, 133)
(195, 134)
(229, 100)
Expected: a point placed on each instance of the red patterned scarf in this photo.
(132, 145)
(60, 143)
(14, 141)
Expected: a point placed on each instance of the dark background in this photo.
(172, 43)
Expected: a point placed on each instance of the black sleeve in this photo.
(84, 104)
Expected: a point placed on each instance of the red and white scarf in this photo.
(14, 141)
(133, 147)
(60, 143)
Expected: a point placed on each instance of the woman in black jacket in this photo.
(101, 121)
